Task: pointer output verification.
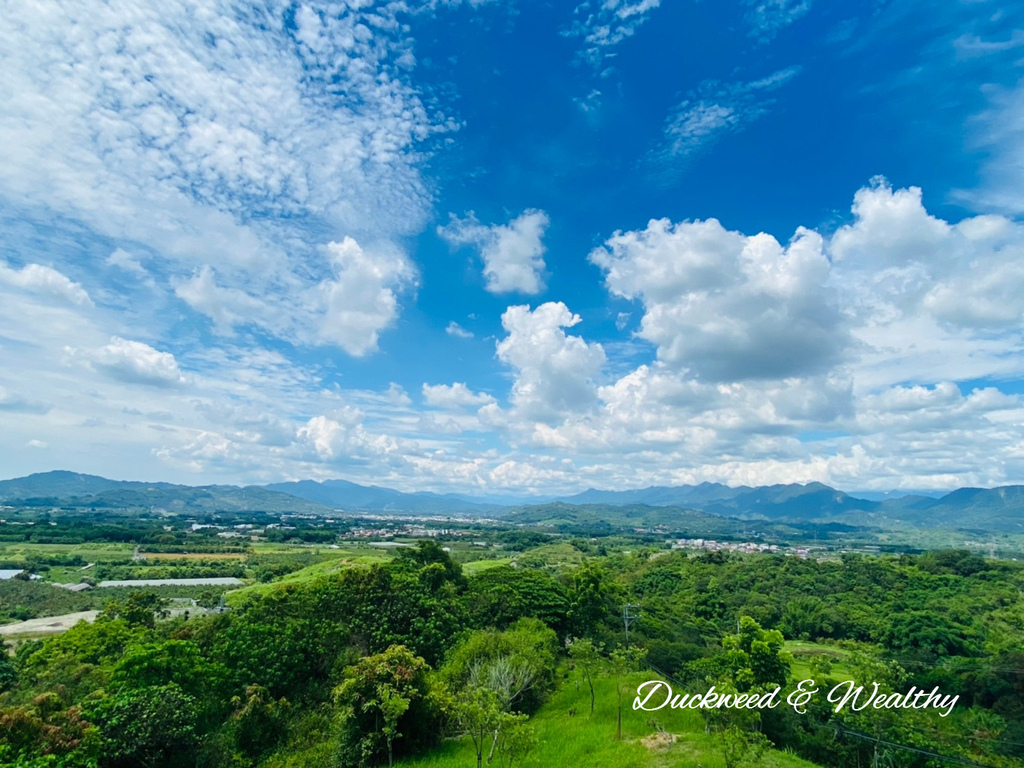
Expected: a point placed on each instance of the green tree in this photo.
(151, 727)
(500, 596)
(517, 664)
(589, 600)
(622, 662)
(392, 706)
(755, 656)
(587, 657)
(517, 739)
(389, 690)
(8, 674)
(138, 609)
(477, 712)
(742, 746)
(259, 721)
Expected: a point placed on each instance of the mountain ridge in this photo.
(999, 509)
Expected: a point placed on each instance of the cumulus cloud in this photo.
(45, 281)
(554, 372)
(964, 275)
(454, 396)
(513, 253)
(725, 306)
(349, 309)
(136, 362)
(360, 300)
(122, 259)
(342, 438)
(456, 330)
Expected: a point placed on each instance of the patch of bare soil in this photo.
(659, 742)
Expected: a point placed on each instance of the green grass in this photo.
(561, 555)
(804, 652)
(310, 573)
(582, 740)
(91, 552)
(478, 566)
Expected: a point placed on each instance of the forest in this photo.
(420, 660)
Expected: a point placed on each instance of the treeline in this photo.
(297, 669)
(372, 665)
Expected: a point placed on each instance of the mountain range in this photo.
(978, 509)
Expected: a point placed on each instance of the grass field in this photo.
(582, 740)
(193, 555)
(804, 652)
(478, 566)
(343, 561)
(92, 552)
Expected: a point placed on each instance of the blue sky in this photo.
(514, 247)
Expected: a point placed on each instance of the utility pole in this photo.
(628, 618)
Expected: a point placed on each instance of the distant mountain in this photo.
(346, 496)
(892, 495)
(796, 502)
(812, 501)
(970, 509)
(981, 509)
(70, 489)
(61, 484)
(659, 495)
(691, 523)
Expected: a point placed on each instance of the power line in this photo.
(907, 748)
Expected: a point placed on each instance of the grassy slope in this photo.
(585, 741)
(804, 651)
(309, 573)
(478, 566)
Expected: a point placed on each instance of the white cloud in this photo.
(226, 307)
(343, 438)
(767, 17)
(360, 300)
(217, 139)
(725, 306)
(11, 402)
(967, 275)
(554, 372)
(456, 330)
(45, 281)
(970, 46)
(603, 24)
(121, 258)
(998, 132)
(714, 110)
(454, 396)
(349, 309)
(135, 362)
(513, 253)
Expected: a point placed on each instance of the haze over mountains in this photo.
(979, 509)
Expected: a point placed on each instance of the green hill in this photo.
(650, 739)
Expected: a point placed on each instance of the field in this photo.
(808, 658)
(91, 552)
(193, 555)
(650, 739)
